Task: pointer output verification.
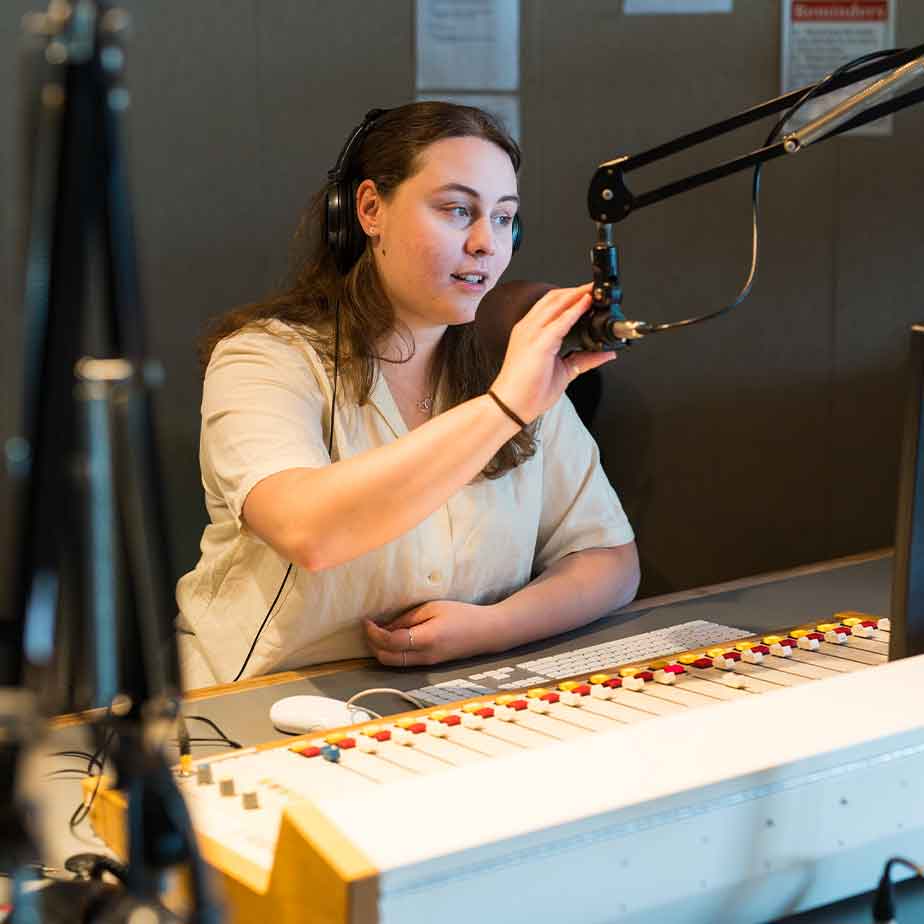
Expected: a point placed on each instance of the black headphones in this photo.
(345, 236)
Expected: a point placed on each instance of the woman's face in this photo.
(443, 238)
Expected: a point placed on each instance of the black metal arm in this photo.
(609, 199)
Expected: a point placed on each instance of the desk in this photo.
(755, 604)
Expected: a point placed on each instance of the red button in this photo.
(382, 736)
(644, 675)
(732, 655)
(486, 713)
(417, 728)
(582, 690)
(703, 662)
(789, 643)
(518, 704)
(451, 719)
(869, 623)
(818, 636)
(674, 669)
(761, 649)
(614, 683)
(551, 697)
(346, 743)
(309, 752)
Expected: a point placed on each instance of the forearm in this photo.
(323, 517)
(576, 590)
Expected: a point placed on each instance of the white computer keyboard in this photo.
(695, 634)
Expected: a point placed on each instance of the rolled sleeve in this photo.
(263, 412)
(580, 509)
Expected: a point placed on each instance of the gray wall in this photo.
(755, 442)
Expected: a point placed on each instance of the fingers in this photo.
(411, 618)
(558, 301)
(578, 363)
(390, 646)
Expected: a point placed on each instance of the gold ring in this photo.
(410, 640)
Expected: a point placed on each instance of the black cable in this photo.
(330, 444)
(256, 638)
(98, 758)
(884, 900)
(745, 291)
(218, 731)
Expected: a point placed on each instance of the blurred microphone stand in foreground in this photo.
(89, 577)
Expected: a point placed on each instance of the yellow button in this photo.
(406, 722)
(799, 633)
(473, 707)
(689, 658)
(598, 678)
(536, 692)
(657, 665)
(745, 646)
(335, 737)
(827, 626)
(438, 714)
(505, 699)
(371, 730)
(852, 614)
(567, 685)
(772, 639)
(715, 652)
(852, 621)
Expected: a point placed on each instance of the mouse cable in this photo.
(884, 900)
(406, 696)
(330, 445)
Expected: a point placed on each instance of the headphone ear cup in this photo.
(516, 233)
(345, 236)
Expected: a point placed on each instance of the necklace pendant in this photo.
(425, 404)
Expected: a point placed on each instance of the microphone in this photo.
(599, 330)
(604, 326)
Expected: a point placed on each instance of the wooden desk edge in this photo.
(649, 603)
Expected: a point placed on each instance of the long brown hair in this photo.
(318, 299)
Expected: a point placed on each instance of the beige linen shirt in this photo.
(265, 409)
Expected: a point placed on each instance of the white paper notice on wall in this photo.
(637, 7)
(468, 45)
(506, 106)
(821, 35)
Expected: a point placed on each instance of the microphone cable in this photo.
(774, 134)
(330, 445)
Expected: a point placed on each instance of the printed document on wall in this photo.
(821, 35)
(468, 45)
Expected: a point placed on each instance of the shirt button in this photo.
(434, 577)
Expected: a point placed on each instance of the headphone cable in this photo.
(330, 445)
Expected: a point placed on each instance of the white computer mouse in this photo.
(297, 715)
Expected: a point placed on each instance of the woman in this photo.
(374, 484)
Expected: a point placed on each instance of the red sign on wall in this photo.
(840, 11)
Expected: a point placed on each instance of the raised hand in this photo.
(533, 375)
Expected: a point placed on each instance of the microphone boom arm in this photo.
(609, 199)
